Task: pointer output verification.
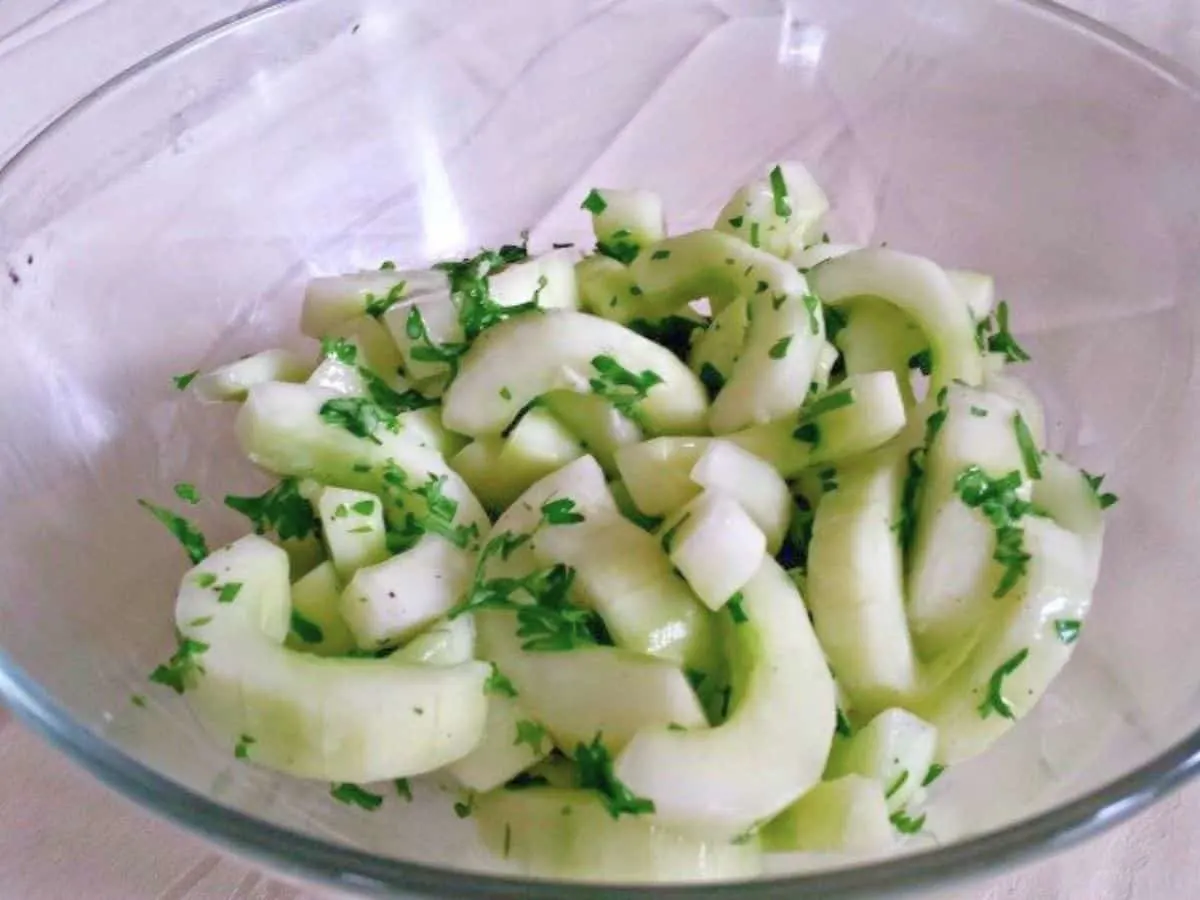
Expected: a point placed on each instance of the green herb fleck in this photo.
(675, 726)
(621, 387)
(180, 670)
(660, 254)
(754, 234)
(403, 789)
(1029, 451)
(737, 221)
(505, 393)
(922, 360)
(363, 507)
(812, 305)
(979, 412)
(138, 700)
(229, 592)
(934, 773)
(377, 306)
(182, 381)
(904, 824)
(1002, 341)
(668, 539)
(356, 795)
(531, 733)
(1067, 630)
(206, 579)
(596, 773)
(499, 684)
(560, 512)
(736, 610)
(339, 348)
(242, 750)
(780, 348)
(306, 629)
(995, 700)
(779, 192)
(359, 416)
(185, 532)
(996, 498)
(1094, 482)
(712, 379)
(187, 493)
(843, 726)
(594, 203)
(896, 785)
(281, 509)
(464, 808)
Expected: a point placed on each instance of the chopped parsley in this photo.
(356, 795)
(675, 726)
(905, 824)
(596, 773)
(358, 415)
(737, 221)
(182, 381)
(736, 610)
(900, 781)
(668, 539)
(282, 509)
(185, 532)
(979, 412)
(464, 808)
(425, 349)
(306, 629)
(228, 592)
(673, 332)
(712, 379)
(242, 750)
(998, 339)
(187, 493)
(842, 724)
(994, 701)
(594, 203)
(363, 507)
(206, 579)
(996, 498)
(377, 306)
(660, 254)
(471, 295)
(138, 700)
(560, 512)
(390, 400)
(1104, 499)
(922, 360)
(339, 348)
(505, 393)
(499, 684)
(180, 670)
(934, 773)
(780, 348)
(812, 305)
(531, 733)
(623, 251)
(403, 789)
(1029, 451)
(779, 194)
(1067, 630)
(621, 387)
(835, 321)
(754, 242)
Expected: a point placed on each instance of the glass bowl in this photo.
(169, 220)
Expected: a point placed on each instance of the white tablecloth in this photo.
(62, 835)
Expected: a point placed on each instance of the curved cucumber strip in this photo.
(977, 290)
(846, 815)
(533, 355)
(330, 301)
(375, 349)
(657, 473)
(315, 600)
(629, 218)
(445, 643)
(1020, 395)
(879, 337)
(355, 720)
(921, 289)
(856, 583)
(233, 380)
(782, 721)
(499, 756)
(552, 832)
(830, 430)
(1020, 650)
(754, 211)
(752, 482)
(717, 348)
(1064, 492)
(895, 748)
(600, 428)
(715, 545)
(551, 277)
(952, 576)
(335, 377)
(623, 574)
(352, 528)
(813, 256)
(604, 289)
(424, 427)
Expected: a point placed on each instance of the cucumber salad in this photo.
(666, 554)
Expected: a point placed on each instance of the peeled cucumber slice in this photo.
(599, 427)
(499, 757)
(424, 428)
(332, 300)
(233, 380)
(845, 815)
(977, 290)
(1064, 492)
(352, 528)
(1020, 395)
(445, 643)
(717, 348)
(753, 214)
(336, 377)
(895, 748)
(715, 545)
(439, 315)
(534, 354)
(634, 217)
(920, 288)
(375, 349)
(551, 832)
(816, 254)
(315, 600)
(752, 482)
(355, 720)
(549, 277)
(880, 337)
(657, 472)
(304, 553)
(623, 574)
(604, 289)
(856, 582)
(875, 416)
(774, 744)
(390, 602)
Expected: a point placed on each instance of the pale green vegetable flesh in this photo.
(717, 348)
(752, 482)
(895, 748)
(753, 215)
(352, 528)
(715, 545)
(448, 642)
(233, 380)
(499, 756)
(630, 217)
(657, 473)
(549, 277)
(600, 429)
(315, 599)
(333, 300)
(977, 290)
(880, 337)
(845, 815)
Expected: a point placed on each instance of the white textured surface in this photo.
(62, 835)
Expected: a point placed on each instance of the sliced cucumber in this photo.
(856, 582)
(551, 832)
(499, 756)
(1067, 496)
(604, 289)
(439, 316)
(623, 573)
(816, 254)
(330, 301)
(424, 428)
(533, 355)
(600, 428)
(336, 377)
(921, 289)
(977, 290)
(879, 337)
(317, 625)
(895, 748)
(634, 218)
(715, 545)
(390, 602)
(846, 815)
(782, 722)
(716, 350)
(752, 482)
(657, 473)
(875, 415)
(352, 528)
(548, 278)
(356, 720)
(1020, 395)
(448, 642)
(304, 553)
(826, 360)
(754, 211)
(233, 380)
(375, 349)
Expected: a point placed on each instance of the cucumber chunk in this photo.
(352, 528)
(390, 602)
(875, 416)
(233, 380)
(879, 337)
(549, 278)
(330, 301)
(715, 545)
(717, 348)
(335, 377)
(977, 290)
(623, 574)
(356, 720)
(534, 354)
(816, 254)
(633, 218)
(445, 643)
(552, 832)
(600, 428)
(605, 289)
(774, 744)
(754, 211)
(317, 625)
(752, 482)
(846, 815)
(374, 349)
(499, 756)
(657, 472)
(920, 288)
(895, 748)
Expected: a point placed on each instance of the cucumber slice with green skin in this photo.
(233, 380)
(895, 748)
(752, 482)
(499, 757)
(846, 815)
(774, 744)
(718, 346)
(1020, 650)
(445, 643)
(783, 337)
(499, 471)
(600, 428)
(813, 256)
(632, 217)
(856, 582)
(715, 545)
(550, 278)
(549, 832)
(356, 720)
(921, 289)
(533, 355)
(657, 472)
(352, 528)
(875, 416)
(280, 429)
(330, 301)
(952, 576)
(623, 574)
(390, 602)
(315, 601)
(753, 213)
(977, 290)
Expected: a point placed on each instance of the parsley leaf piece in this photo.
(712, 379)
(843, 726)
(934, 773)
(896, 785)
(464, 808)
(182, 381)
(780, 348)
(179, 671)
(339, 348)
(812, 304)
(660, 254)
(596, 773)
(306, 629)
(996, 498)
(185, 532)
(905, 824)
(242, 750)
(906, 526)
(531, 733)
(995, 701)
(779, 193)
(363, 507)
(1094, 481)
(403, 788)
(594, 203)
(187, 493)
(499, 684)
(505, 393)
(356, 795)
(228, 592)
(390, 400)
(922, 360)
(754, 241)
(358, 415)
(1029, 451)
(809, 433)
(835, 321)
(979, 412)
(282, 509)
(736, 611)
(560, 512)
(138, 700)
(623, 252)
(427, 350)
(1067, 630)
(737, 221)
(1002, 340)
(621, 387)
(827, 403)
(377, 306)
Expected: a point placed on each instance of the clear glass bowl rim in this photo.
(346, 868)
